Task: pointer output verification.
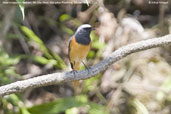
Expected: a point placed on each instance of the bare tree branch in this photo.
(55, 78)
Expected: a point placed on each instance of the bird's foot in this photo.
(86, 67)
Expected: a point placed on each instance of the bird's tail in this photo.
(76, 67)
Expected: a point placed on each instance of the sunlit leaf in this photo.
(97, 109)
(98, 45)
(36, 39)
(67, 30)
(91, 54)
(32, 36)
(89, 83)
(69, 106)
(40, 59)
(87, 2)
(163, 94)
(64, 17)
(17, 102)
(73, 110)
(140, 107)
(21, 5)
(59, 105)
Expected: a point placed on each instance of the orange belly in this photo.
(78, 52)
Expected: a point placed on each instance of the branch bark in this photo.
(56, 78)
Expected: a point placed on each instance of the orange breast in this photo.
(78, 52)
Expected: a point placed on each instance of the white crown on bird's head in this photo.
(82, 27)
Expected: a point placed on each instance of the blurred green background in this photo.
(34, 41)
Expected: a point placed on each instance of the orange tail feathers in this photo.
(76, 84)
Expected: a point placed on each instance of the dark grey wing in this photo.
(69, 49)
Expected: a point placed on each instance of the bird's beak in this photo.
(93, 29)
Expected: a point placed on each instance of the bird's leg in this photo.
(86, 67)
(74, 72)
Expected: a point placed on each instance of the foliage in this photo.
(21, 5)
(7, 69)
(53, 57)
(68, 105)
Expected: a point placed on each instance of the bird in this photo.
(78, 48)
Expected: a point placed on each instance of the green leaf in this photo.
(94, 36)
(21, 5)
(50, 55)
(24, 111)
(17, 102)
(73, 110)
(43, 60)
(67, 30)
(97, 109)
(59, 105)
(140, 107)
(163, 93)
(89, 83)
(32, 36)
(98, 45)
(7, 68)
(14, 98)
(91, 54)
(64, 17)
(68, 106)
(40, 59)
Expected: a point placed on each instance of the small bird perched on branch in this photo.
(79, 46)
